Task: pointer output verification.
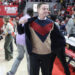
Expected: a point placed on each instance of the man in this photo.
(44, 41)
(20, 41)
(70, 27)
(8, 30)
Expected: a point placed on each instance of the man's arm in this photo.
(23, 21)
(22, 29)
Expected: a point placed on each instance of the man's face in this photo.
(43, 10)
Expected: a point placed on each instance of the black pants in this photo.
(37, 61)
(8, 52)
(46, 62)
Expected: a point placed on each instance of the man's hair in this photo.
(30, 11)
(41, 3)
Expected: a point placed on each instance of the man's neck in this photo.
(42, 18)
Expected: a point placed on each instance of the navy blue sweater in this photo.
(57, 38)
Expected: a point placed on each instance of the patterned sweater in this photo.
(42, 36)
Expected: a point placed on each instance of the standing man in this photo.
(21, 46)
(70, 27)
(44, 41)
(8, 30)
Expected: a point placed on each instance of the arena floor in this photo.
(5, 66)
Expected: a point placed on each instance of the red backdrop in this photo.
(8, 10)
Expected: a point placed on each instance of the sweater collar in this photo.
(43, 19)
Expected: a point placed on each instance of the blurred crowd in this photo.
(10, 2)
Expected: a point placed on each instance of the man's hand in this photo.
(23, 21)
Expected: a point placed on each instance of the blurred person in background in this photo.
(63, 27)
(21, 46)
(70, 27)
(15, 28)
(8, 30)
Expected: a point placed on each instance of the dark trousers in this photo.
(37, 61)
(46, 62)
(8, 53)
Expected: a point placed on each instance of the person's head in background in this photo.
(6, 19)
(53, 17)
(30, 12)
(43, 10)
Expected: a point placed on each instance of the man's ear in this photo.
(49, 12)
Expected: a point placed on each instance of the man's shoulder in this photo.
(50, 20)
(32, 19)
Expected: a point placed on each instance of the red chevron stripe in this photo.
(41, 30)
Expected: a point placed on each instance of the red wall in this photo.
(9, 10)
(1, 22)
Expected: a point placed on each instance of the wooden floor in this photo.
(5, 66)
